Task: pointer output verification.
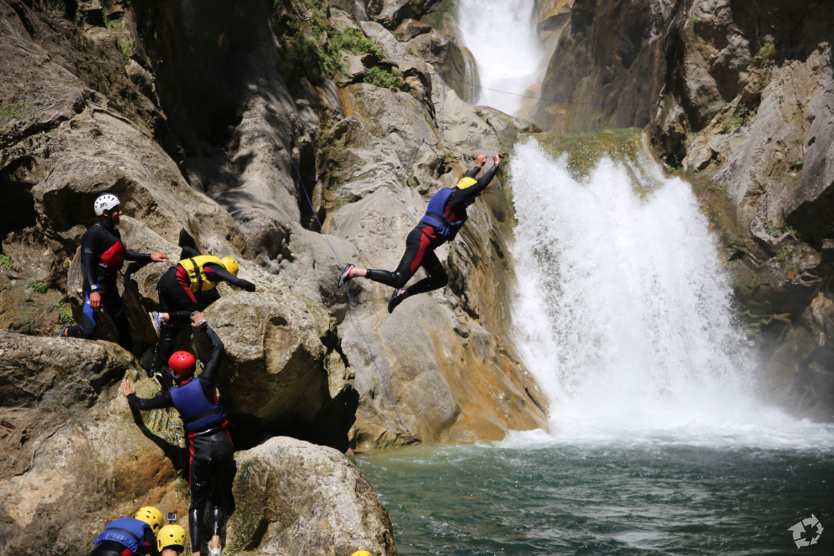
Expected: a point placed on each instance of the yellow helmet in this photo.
(231, 265)
(151, 516)
(361, 553)
(170, 535)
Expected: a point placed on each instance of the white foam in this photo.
(624, 313)
(502, 37)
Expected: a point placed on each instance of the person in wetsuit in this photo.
(186, 289)
(102, 255)
(212, 464)
(444, 217)
(130, 536)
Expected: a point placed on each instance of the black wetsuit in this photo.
(110, 548)
(212, 464)
(424, 239)
(102, 256)
(178, 300)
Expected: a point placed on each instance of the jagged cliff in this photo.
(737, 96)
(298, 136)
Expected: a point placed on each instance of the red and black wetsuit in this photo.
(211, 452)
(178, 300)
(102, 256)
(424, 239)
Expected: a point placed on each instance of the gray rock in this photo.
(298, 498)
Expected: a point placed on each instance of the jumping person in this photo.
(186, 289)
(102, 255)
(444, 217)
(212, 465)
(130, 536)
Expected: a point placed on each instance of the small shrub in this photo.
(65, 314)
(736, 120)
(5, 262)
(39, 286)
(382, 78)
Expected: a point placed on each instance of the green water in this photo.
(603, 499)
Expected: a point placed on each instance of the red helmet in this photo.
(182, 363)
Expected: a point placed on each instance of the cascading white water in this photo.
(502, 36)
(623, 311)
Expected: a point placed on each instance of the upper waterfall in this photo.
(502, 36)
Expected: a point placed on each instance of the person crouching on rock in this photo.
(102, 255)
(444, 217)
(130, 536)
(212, 466)
(186, 289)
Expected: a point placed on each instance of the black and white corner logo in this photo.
(806, 532)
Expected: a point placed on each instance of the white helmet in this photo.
(105, 202)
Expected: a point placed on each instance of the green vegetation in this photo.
(382, 78)
(736, 120)
(584, 150)
(5, 262)
(766, 52)
(310, 46)
(65, 314)
(39, 286)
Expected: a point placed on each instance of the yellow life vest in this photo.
(196, 276)
(466, 181)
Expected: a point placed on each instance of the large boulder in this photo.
(298, 498)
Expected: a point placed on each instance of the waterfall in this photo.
(624, 313)
(502, 37)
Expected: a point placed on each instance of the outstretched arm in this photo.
(483, 182)
(173, 452)
(216, 273)
(163, 399)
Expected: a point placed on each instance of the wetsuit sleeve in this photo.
(471, 192)
(163, 399)
(90, 247)
(472, 172)
(216, 273)
(137, 256)
(208, 378)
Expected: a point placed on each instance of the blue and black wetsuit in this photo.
(102, 255)
(211, 452)
(425, 238)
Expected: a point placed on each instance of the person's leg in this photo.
(415, 249)
(200, 479)
(174, 301)
(114, 306)
(224, 472)
(436, 279)
(86, 324)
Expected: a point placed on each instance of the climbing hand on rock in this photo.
(247, 285)
(158, 256)
(126, 387)
(497, 159)
(480, 160)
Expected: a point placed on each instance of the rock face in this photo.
(297, 498)
(294, 137)
(737, 95)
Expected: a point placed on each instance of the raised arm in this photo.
(210, 371)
